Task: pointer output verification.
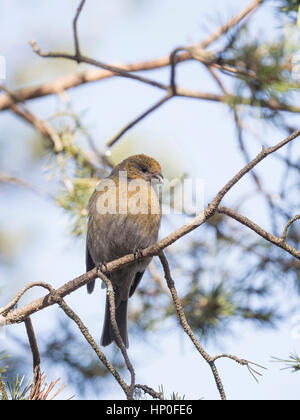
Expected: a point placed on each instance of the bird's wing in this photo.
(88, 260)
(136, 281)
(89, 266)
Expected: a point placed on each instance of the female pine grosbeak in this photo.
(124, 217)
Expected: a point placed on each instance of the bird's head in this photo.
(140, 167)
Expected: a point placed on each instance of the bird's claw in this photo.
(102, 266)
(138, 253)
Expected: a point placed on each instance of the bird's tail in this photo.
(108, 335)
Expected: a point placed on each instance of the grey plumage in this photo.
(111, 236)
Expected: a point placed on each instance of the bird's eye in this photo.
(144, 169)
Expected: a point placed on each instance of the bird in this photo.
(124, 216)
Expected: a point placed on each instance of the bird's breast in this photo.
(122, 219)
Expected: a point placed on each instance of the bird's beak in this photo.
(158, 178)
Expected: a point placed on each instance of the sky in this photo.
(195, 136)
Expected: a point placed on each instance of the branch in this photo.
(58, 145)
(8, 316)
(5, 309)
(119, 341)
(8, 178)
(36, 360)
(76, 42)
(46, 130)
(258, 183)
(54, 297)
(297, 217)
(234, 21)
(118, 71)
(42, 126)
(150, 391)
(242, 362)
(40, 390)
(187, 329)
(280, 242)
(172, 60)
(138, 119)
(19, 315)
(73, 80)
(85, 332)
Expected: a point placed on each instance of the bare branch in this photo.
(74, 80)
(5, 309)
(114, 69)
(186, 327)
(217, 79)
(297, 217)
(50, 133)
(40, 390)
(8, 315)
(76, 41)
(119, 341)
(71, 314)
(150, 391)
(34, 347)
(242, 362)
(8, 178)
(42, 126)
(138, 119)
(173, 61)
(234, 21)
(280, 242)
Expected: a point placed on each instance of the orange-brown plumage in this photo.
(124, 216)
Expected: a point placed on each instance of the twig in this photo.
(118, 71)
(46, 130)
(71, 314)
(186, 327)
(297, 217)
(56, 296)
(76, 41)
(234, 21)
(58, 147)
(36, 360)
(138, 119)
(40, 390)
(74, 80)
(242, 362)
(8, 178)
(217, 79)
(280, 242)
(150, 391)
(42, 126)
(119, 341)
(173, 61)
(53, 298)
(5, 309)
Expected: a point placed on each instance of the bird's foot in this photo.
(102, 266)
(138, 253)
